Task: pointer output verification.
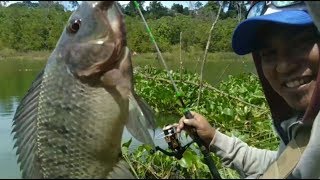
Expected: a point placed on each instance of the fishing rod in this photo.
(186, 111)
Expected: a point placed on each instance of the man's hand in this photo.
(204, 130)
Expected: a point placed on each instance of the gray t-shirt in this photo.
(251, 162)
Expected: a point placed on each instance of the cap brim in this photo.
(244, 35)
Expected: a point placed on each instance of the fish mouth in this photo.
(104, 5)
(115, 21)
(111, 43)
(112, 17)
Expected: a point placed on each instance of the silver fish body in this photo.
(70, 123)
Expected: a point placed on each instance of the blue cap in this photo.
(243, 40)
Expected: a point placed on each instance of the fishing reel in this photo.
(171, 137)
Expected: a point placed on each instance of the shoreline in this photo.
(10, 54)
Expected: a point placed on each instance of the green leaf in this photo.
(228, 111)
(186, 160)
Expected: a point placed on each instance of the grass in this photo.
(10, 54)
(193, 55)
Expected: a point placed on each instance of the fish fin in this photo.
(147, 112)
(141, 118)
(24, 130)
(121, 171)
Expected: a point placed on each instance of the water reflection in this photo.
(15, 79)
(8, 159)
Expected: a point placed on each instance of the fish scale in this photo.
(90, 121)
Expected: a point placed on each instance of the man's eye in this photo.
(268, 53)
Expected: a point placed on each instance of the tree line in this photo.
(34, 26)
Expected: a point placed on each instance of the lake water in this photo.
(17, 75)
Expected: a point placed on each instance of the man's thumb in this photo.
(189, 122)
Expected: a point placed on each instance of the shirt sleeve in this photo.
(249, 162)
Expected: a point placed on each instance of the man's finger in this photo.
(180, 126)
(190, 122)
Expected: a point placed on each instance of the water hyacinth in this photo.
(237, 107)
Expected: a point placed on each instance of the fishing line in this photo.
(178, 93)
(187, 113)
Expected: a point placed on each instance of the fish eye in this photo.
(74, 26)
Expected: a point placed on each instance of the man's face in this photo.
(290, 62)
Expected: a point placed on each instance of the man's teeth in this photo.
(296, 83)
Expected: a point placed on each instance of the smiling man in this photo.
(290, 61)
(284, 43)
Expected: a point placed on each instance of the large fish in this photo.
(70, 123)
(314, 10)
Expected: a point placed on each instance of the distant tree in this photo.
(156, 10)
(185, 11)
(17, 4)
(198, 5)
(209, 10)
(178, 8)
(242, 9)
(235, 9)
(28, 3)
(3, 3)
(46, 4)
(74, 4)
(130, 9)
(23, 28)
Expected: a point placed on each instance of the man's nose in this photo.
(285, 64)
